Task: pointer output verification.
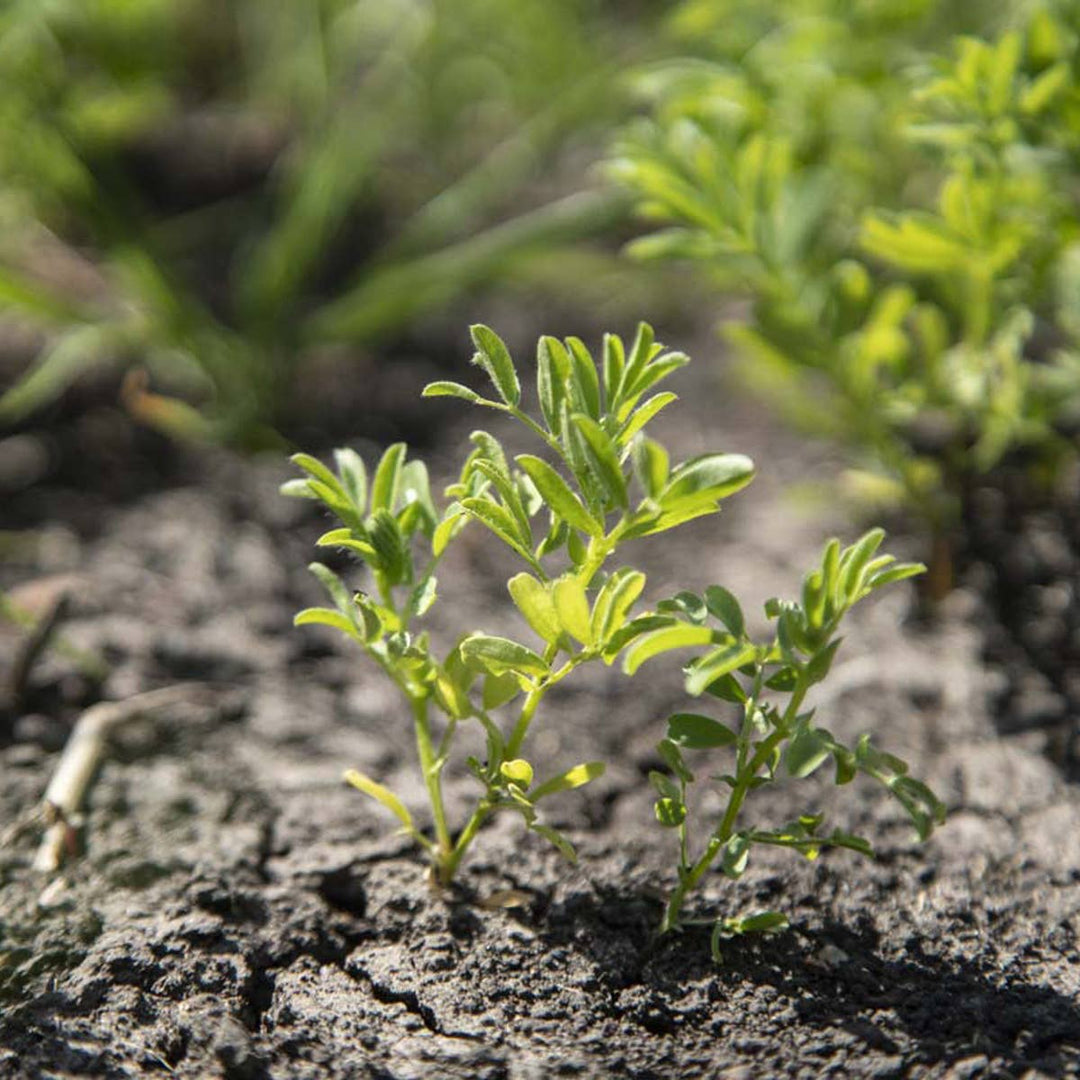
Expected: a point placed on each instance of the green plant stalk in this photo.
(689, 878)
(432, 769)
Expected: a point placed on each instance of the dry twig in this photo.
(79, 763)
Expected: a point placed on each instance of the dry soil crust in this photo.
(239, 913)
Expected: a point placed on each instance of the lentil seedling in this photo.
(603, 481)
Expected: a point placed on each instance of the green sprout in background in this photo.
(602, 482)
(902, 219)
(214, 192)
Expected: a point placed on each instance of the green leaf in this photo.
(558, 496)
(614, 600)
(316, 469)
(614, 362)
(818, 666)
(806, 752)
(494, 358)
(650, 466)
(900, 572)
(691, 607)
(454, 520)
(665, 787)
(327, 617)
(724, 607)
(504, 485)
(518, 771)
(641, 352)
(640, 417)
(634, 629)
(679, 636)
(424, 595)
(446, 388)
(566, 781)
(703, 672)
(656, 372)
(415, 488)
(502, 523)
(534, 601)
(585, 377)
(371, 621)
(718, 474)
(603, 457)
(838, 838)
(388, 799)
(735, 857)
(556, 838)
(499, 655)
(499, 689)
(552, 371)
(297, 489)
(696, 732)
(390, 546)
(727, 688)
(854, 560)
(334, 586)
(384, 488)
(572, 607)
(673, 759)
(671, 813)
(759, 922)
(353, 476)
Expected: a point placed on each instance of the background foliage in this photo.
(898, 205)
(215, 190)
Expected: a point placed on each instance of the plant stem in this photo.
(688, 879)
(426, 750)
(528, 710)
(448, 866)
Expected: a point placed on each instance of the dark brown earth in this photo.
(238, 912)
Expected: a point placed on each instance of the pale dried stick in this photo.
(79, 763)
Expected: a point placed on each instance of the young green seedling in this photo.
(769, 682)
(603, 481)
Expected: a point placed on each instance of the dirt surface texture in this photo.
(237, 911)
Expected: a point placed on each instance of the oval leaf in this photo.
(446, 388)
(558, 496)
(494, 358)
(679, 636)
(499, 655)
(572, 607)
(697, 732)
(534, 602)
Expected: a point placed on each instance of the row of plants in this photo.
(896, 207)
(598, 481)
(210, 194)
(903, 223)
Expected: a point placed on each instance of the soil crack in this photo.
(389, 995)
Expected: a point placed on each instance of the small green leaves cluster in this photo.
(913, 285)
(602, 481)
(768, 683)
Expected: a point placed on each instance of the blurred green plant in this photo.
(768, 682)
(904, 224)
(213, 190)
(610, 483)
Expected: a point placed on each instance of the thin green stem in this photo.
(448, 866)
(688, 879)
(431, 769)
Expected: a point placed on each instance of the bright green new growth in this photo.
(769, 683)
(901, 213)
(603, 481)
